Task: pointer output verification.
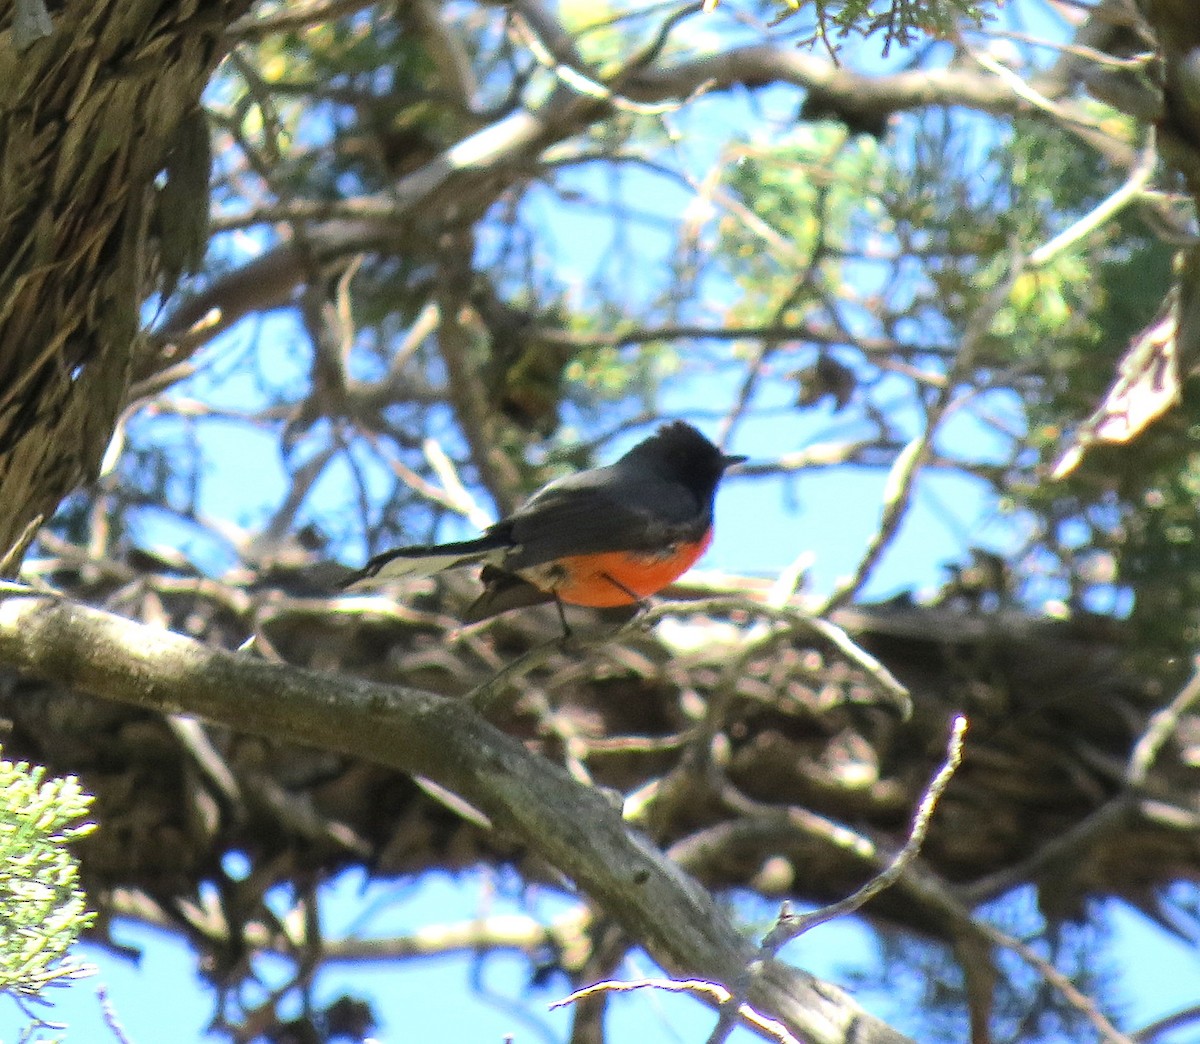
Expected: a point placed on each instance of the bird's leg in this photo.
(634, 598)
(562, 619)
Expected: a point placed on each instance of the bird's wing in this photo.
(598, 511)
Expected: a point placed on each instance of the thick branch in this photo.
(758, 65)
(570, 825)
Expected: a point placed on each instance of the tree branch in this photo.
(498, 154)
(570, 825)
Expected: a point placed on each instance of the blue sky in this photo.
(161, 999)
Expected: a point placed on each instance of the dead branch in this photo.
(711, 992)
(573, 827)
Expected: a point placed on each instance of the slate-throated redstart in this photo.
(606, 537)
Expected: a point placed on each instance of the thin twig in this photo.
(109, 1013)
(1130, 191)
(791, 926)
(795, 619)
(808, 282)
(1027, 93)
(1137, 61)
(1060, 981)
(419, 484)
(1067, 844)
(483, 697)
(1166, 1024)
(496, 468)
(1163, 724)
(571, 74)
(453, 486)
(710, 991)
(902, 478)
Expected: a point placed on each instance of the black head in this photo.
(677, 451)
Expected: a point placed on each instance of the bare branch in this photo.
(790, 926)
(795, 619)
(112, 1020)
(903, 476)
(711, 992)
(1074, 996)
(871, 97)
(573, 827)
(1162, 726)
(493, 156)
(1150, 1032)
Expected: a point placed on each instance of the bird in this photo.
(609, 536)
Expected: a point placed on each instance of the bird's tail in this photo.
(425, 560)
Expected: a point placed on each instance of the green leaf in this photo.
(42, 908)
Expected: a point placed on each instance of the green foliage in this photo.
(805, 194)
(901, 21)
(840, 232)
(41, 905)
(1157, 479)
(1071, 321)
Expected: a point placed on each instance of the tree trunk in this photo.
(89, 112)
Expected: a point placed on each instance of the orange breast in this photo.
(617, 577)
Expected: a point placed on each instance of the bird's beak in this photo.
(728, 461)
